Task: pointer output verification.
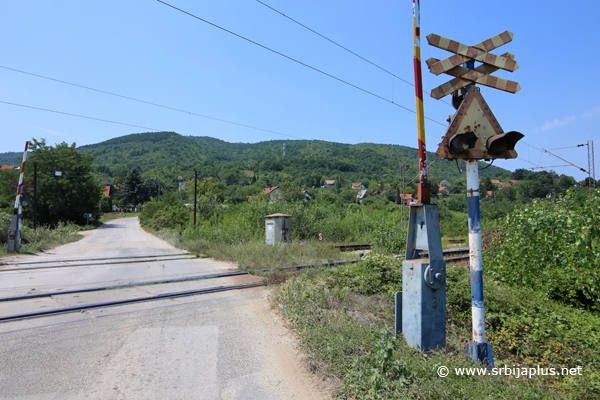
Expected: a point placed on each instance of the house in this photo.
(513, 181)
(495, 181)
(362, 194)
(329, 184)
(358, 186)
(489, 194)
(443, 190)
(109, 190)
(8, 167)
(307, 195)
(407, 199)
(503, 185)
(271, 190)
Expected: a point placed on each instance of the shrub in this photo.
(553, 246)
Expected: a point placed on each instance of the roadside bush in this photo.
(4, 226)
(375, 274)
(389, 238)
(552, 246)
(170, 213)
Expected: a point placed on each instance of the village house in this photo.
(109, 190)
(442, 190)
(271, 190)
(358, 186)
(362, 194)
(329, 184)
(407, 199)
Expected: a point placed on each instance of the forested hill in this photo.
(165, 150)
(11, 158)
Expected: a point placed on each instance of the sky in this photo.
(198, 76)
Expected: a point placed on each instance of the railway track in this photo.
(449, 255)
(453, 255)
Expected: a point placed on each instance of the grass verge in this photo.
(344, 318)
(45, 238)
(253, 255)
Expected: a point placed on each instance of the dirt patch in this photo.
(285, 356)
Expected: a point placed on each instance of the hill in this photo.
(11, 158)
(154, 152)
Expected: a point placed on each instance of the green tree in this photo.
(68, 196)
(134, 191)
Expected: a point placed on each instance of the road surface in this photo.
(226, 345)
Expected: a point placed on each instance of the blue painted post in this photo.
(398, 321)
(479, 350)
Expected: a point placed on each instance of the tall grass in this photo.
(42, 238)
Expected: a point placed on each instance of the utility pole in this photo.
(402, 194)
(35, 195)
(591, 167)
(195, 195)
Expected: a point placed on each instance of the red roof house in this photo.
(271, 190)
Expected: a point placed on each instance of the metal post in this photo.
(424, 190)
(195, 195)
(479, 350)
(398, 313)
(402, 169)
(14, 233)
(34, 195)
(591, 167)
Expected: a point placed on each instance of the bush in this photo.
(553, 246)
(389, 238)
(375, 274)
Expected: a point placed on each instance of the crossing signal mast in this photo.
(474, 134)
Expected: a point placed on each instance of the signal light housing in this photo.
(498, 144)
(475, 134)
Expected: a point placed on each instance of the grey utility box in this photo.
(278, 228)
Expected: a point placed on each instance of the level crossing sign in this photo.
(464, 54)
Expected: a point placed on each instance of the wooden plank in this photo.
(469, 52)
(495, 41)
(465, 76)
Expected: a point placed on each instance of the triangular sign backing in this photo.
(473, 115)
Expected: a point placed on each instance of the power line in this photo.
(521, 158)
(568, 147)
(147, 102)
(296, 61)
(82, 116)
(345, 48)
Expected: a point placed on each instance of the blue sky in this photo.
(151, 52)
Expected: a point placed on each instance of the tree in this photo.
(68, 196)
(134, 191)
(487, 185)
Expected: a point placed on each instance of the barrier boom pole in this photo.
(14, 234)
(424, 191)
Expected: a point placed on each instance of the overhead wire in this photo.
(147, 102)
(82, 116)
(295, 60)
(343, 47)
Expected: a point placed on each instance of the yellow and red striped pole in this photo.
(424, 192)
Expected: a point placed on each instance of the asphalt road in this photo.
(227, 345)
